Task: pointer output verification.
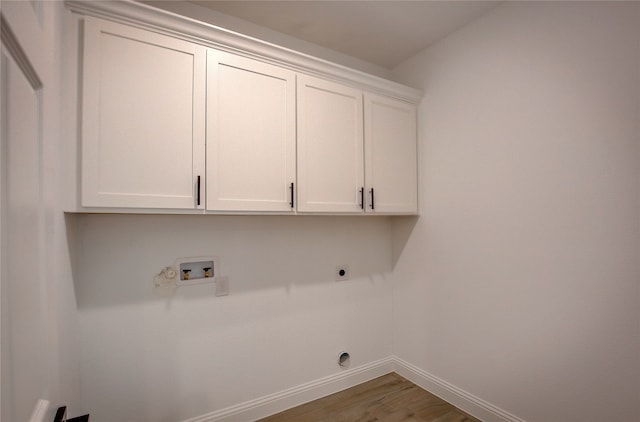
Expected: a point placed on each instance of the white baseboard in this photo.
(286, 399)
(469, 403)
(295, 396)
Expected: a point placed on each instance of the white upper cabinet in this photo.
(143, 118)
(251, 135)
(390, 155)
(330, 147)
(178, 116)
(343, 170)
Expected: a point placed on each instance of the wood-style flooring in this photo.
(390, 398)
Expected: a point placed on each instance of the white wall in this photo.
(64, 388)
(519, 284)
(148, 358)
(39, 349)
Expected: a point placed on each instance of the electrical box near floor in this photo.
(198, 270)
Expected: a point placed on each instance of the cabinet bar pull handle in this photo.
(292, 191)
(372, 200)
(198, 196)
(362, 198)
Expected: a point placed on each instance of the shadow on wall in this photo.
(401, 228)
(71, 225)
(115, 256)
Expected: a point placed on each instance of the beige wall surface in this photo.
(169, 358)
(520, 282)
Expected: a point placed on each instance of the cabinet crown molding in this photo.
(163, 22)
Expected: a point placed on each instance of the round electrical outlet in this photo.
(342, 272)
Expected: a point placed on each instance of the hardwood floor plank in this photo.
(389, 398)
(431, 407)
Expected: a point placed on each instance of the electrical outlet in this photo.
(342, 272)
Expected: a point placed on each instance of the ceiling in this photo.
(381, 32)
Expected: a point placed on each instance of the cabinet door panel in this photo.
(250, 134)
(143, 122)
(390, 148)
(330, 146)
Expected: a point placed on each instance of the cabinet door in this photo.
(251, 139)
(143, 119)
(391, 159)
(330, 147)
